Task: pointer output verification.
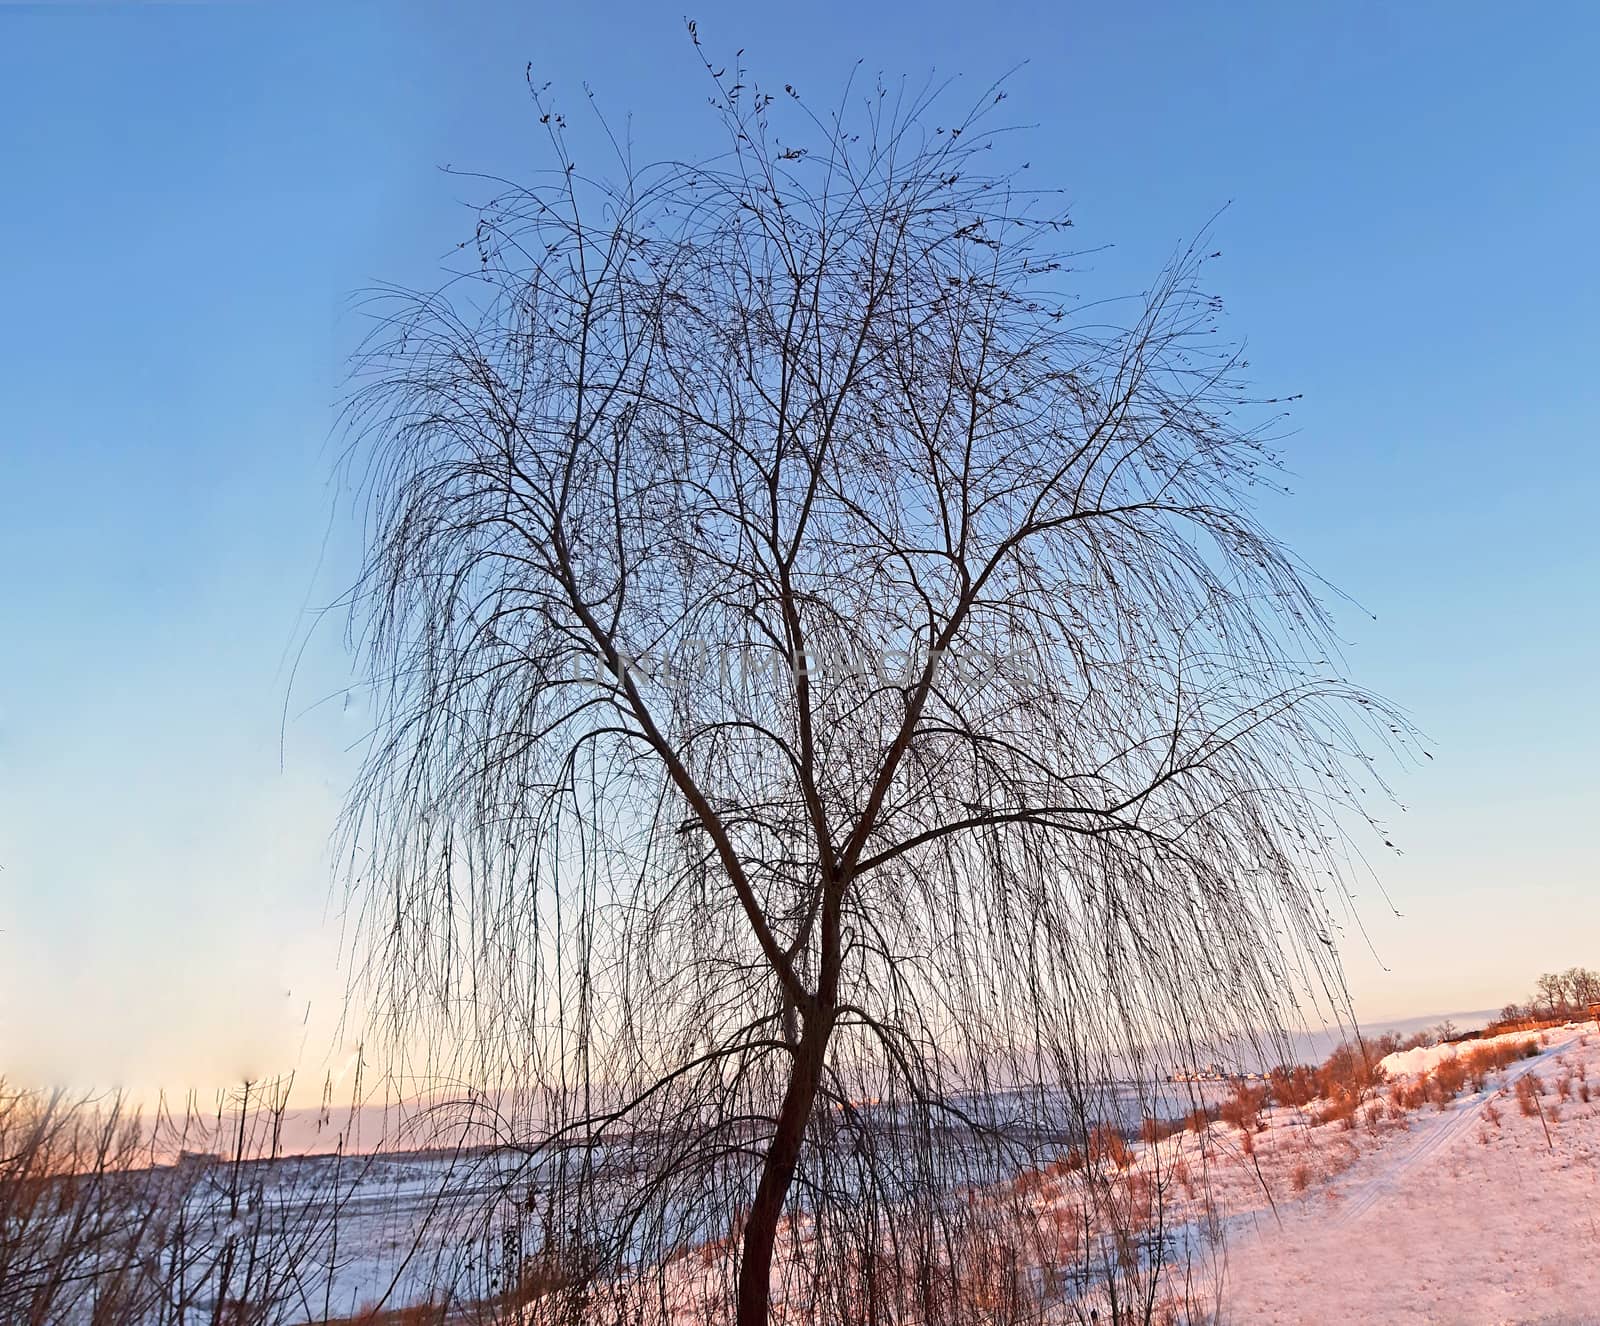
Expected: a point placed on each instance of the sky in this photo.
(195, 193)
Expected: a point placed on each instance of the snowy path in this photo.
(1461, 1219)
(1434, 1137)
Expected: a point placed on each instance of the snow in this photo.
(1468, 1214)
(1425, 1058)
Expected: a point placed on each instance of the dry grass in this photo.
(1295, 1086)
(1529, 1088)
(1185, 1180)
(108, 1217)
(1470, 1069)
(1340, 1110)
(1449, 1077)
(422, 1314)
(1242, 1107)
(1107, 1143)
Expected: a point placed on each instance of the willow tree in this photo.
(825, 675)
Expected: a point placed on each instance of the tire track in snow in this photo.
(1437, 1139)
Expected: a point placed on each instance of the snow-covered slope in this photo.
(1472, 1213)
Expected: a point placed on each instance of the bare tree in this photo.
(1583, 987)
(1551, 991)
(834, 701)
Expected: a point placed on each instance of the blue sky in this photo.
(194, 191)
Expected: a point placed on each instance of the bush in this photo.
(1529, 1089)
(109, 1217)
(1413, 1095)
(1449, 1077)
(1296, 1086)
(1243, 1106)
(1154, 1130)
(1352, 1070)
(1107, 1143)
(1341, 1110)
(1180, 1172)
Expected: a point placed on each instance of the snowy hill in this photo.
(1483, 1209)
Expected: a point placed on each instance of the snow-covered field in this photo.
(1482, 1209)
(1479, 1203)
(1472, 1213)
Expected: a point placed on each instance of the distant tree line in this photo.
(1557, 995)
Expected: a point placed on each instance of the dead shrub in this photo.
(1295, 1086)
(1242, 1108)
(1352, 1070)
(108, 1217)
(1154, 1130)
(1300, 1177)
(1028, 1182)
(1180, 1172)
(1143, 1199)
(1415, 1094)
(1449, 1077)
(1063, 1237)
(1528, 1093)
(422, 1314)
(1495, 1055)
(1108, 1143)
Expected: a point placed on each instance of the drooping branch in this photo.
(658, 842)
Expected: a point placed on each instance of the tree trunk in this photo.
(777, 1173)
